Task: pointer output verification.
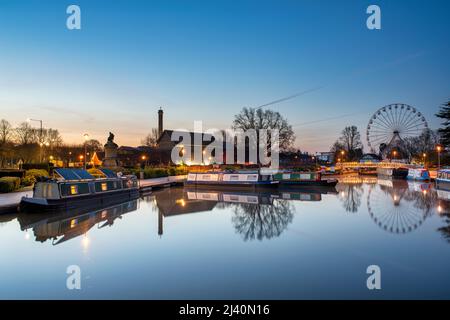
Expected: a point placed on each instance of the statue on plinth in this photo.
(111, 159)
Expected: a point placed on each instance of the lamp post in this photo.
(41, 144)
(394, 153)
(439, 149)
(81, 157)
(86, 138)
(342, 154)
(143, 158)
(424, 155)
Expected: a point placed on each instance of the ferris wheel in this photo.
(394, 121)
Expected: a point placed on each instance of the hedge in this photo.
(9, 184)
(150, 173)
(43, 166)
(12, 173)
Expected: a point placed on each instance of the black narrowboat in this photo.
(76, 188)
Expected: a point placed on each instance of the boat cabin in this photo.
(78, 182)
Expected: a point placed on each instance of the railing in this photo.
(353, 165)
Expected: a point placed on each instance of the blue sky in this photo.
(205, 60)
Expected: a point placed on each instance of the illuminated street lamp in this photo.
(86, 138)
(394, 153)
(424, 156)
(439, 149)
(144, 159)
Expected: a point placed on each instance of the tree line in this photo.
(29, 144)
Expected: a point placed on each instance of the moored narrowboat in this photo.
(238, 179)
(76, 188)
(290, 179)
(443, 180)
(399, 173)
(419, 174)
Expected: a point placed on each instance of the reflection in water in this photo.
(396, 206)
(399, 206)
(61, 227)
(262, 221)
(443, 210)
(257, 215)
(445, 230)
(350, 195)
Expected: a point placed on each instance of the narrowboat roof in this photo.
(227, 172)
(81, 174)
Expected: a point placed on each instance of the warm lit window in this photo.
(73, 189)
(104, 187)
(73, 223)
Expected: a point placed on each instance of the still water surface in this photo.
(182, 244)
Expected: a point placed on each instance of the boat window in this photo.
(104, 186)
(234, 177)
(73, 189)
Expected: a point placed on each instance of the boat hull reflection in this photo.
(62, 226)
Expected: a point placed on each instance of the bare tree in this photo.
(151, 139)
(425, 143)
(350, 142)
(5, 131)
(93, 145)
(251, 118)
(52, 137)
(25, 134)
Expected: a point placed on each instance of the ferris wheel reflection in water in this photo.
(396, 206)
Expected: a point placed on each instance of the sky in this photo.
(206, 60)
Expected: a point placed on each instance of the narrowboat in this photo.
(238, 179)
(443, 180)
(419, 174)
(399, 173)
(291, 179)
(76, 188)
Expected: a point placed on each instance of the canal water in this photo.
(186, 244)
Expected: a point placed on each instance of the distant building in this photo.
(325, 157)
(370, 157)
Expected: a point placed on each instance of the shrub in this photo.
(28, 181)
(154, 173)
(36, 173)
(9, 184)
(180, 171)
